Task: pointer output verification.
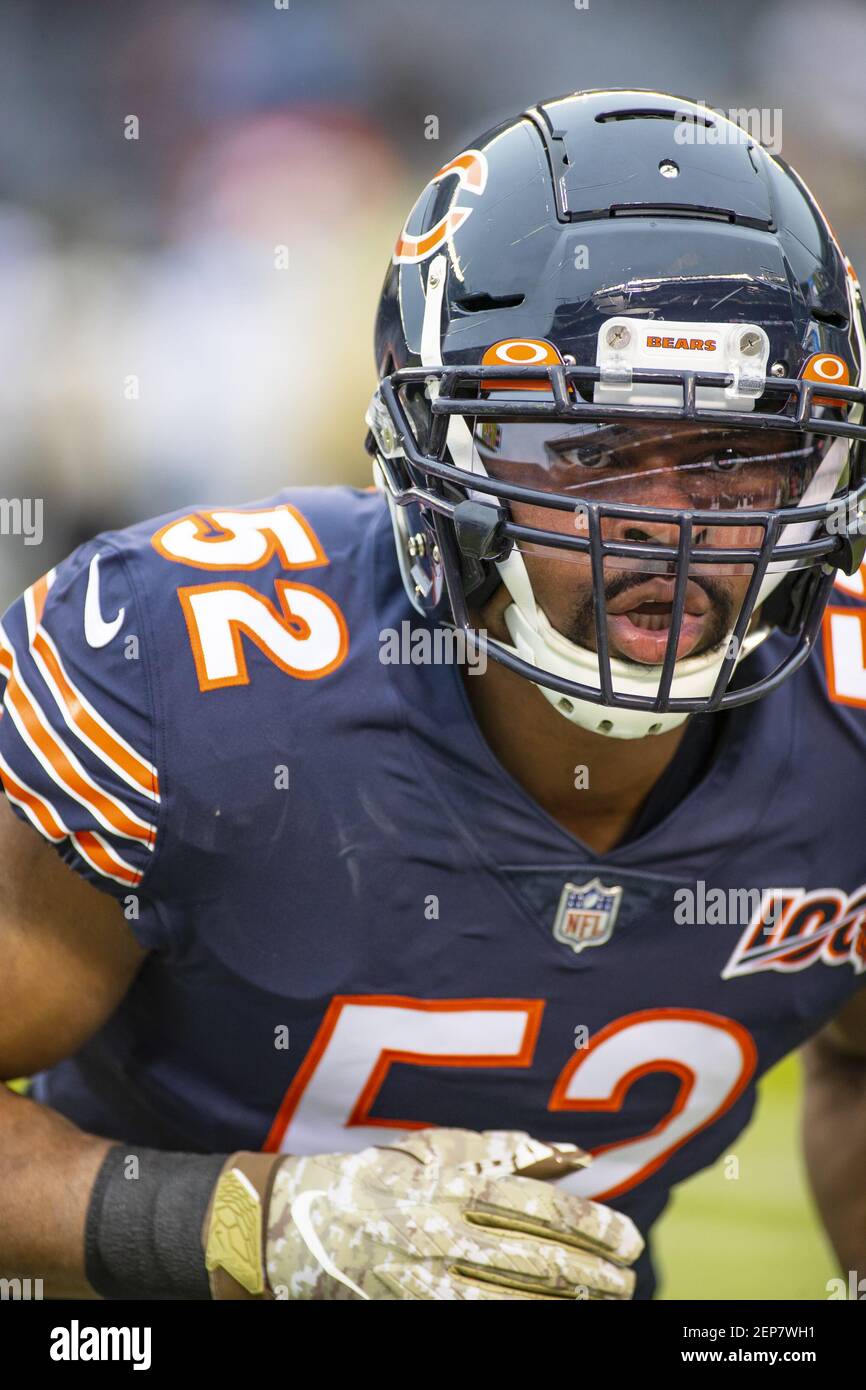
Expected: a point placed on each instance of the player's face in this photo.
(676, 466)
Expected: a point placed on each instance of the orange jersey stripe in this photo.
(42, 810)
(39, 592)
(120, 819)
(101, 858)
(141, 772)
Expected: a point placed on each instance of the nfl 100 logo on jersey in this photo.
(795, 928)
(586, 914)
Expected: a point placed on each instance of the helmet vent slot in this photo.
(831, 317)
(641, 113)
(480, 303)
(675, 210)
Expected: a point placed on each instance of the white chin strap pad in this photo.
(536, 641)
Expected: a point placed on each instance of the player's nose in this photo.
(660, 487)
(648, 530)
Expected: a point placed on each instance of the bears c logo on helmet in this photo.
(470, 169)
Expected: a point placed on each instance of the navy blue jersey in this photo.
(358, 921)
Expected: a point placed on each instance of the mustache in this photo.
(720, 623)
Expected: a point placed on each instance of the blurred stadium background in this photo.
(308, 127)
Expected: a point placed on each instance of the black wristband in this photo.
(143, 1232)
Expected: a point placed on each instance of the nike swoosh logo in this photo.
(299, 1210)
(97, 632)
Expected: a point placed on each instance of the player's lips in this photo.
(639, 621)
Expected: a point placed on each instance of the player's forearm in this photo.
(47, 1170)
(94, 1218)
(834, 1141)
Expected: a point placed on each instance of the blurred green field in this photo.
(756, 1236)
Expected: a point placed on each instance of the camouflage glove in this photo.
(442, 1214)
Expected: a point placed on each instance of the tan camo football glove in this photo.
(438, 1214)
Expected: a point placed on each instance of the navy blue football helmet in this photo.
(620, 406)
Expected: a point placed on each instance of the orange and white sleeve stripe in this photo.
(63, 762)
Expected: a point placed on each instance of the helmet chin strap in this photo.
(536, 640)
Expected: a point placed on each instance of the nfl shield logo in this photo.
(586, 914)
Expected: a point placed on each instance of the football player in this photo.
(356, 894)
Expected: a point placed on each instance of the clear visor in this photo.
(679, 467)
(676, 466)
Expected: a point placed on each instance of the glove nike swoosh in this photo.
(300, 1213)
(97, 632)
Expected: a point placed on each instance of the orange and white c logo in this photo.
(470, 169)
(519, 352)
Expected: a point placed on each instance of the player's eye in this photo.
(727, 460)
(582, 456)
